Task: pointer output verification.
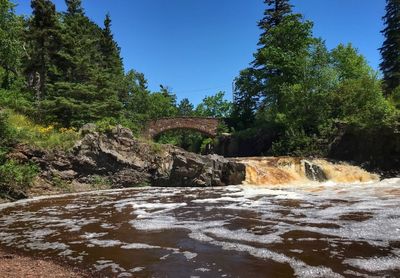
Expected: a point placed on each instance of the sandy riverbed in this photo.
(14, 265)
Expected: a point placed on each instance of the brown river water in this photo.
(306, 229)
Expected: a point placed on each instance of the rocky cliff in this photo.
(120, 160)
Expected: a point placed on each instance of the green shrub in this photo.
(100, 182)
(17, 100)
(298, 143)
(25, 131)
(61, 184)
(4, 129)
(105, 125)
(16, 178)
(394, 98)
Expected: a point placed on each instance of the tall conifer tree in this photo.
(274, 14)
(44, 37)
(113, 70)
(390, 50)
(74, 7)
(110, 49)
(250, 85)
(10, 42)
(87, 91)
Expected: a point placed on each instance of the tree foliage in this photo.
(10, 43)
(214, 106)
(390, 50)
(302, 90)
(64, 70)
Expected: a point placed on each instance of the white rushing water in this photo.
(309, 230)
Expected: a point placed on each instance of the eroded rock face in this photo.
(125, 161)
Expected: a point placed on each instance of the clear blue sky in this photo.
(198, 47)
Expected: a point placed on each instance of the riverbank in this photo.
(114, 159)
(16, 265)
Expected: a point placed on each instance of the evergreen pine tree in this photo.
(250, 85)
(273, 15)
(10, 42)
(185, 108)
(390, 50)
(87, 91)
(74, 7)
(112, 61)
(110, 49)
(44, 38)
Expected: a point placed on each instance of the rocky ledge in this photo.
(119, 159)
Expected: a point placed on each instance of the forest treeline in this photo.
(62, 70)
(304, 91)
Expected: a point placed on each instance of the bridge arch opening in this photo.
(194, 134)
(188, 139)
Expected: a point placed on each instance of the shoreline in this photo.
(14, 263)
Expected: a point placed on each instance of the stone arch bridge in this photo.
(207, 126)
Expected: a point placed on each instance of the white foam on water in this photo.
(66, 253)
(140, 246)
(39, 234)
(375, 264)
(124, 274)
(300, 268)
(42, 246)
(189, 255)
(137, 269)
(217, 200)
(203, 269)
(298, 251)
(104, 264)
(105, 243)
(243, 235)
(92, 235)
(159, 223)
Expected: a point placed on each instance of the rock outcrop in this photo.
(377, 150)
(123, 161)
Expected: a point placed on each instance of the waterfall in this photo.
(293, 170)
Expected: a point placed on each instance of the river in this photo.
(309, 230)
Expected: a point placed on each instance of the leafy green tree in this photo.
(357, 98)
(214, 106)
(349, 63)
(136, 101)
(361, 102)
(390, 50)
(395, 98)
(246, 98)
(162, 104)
